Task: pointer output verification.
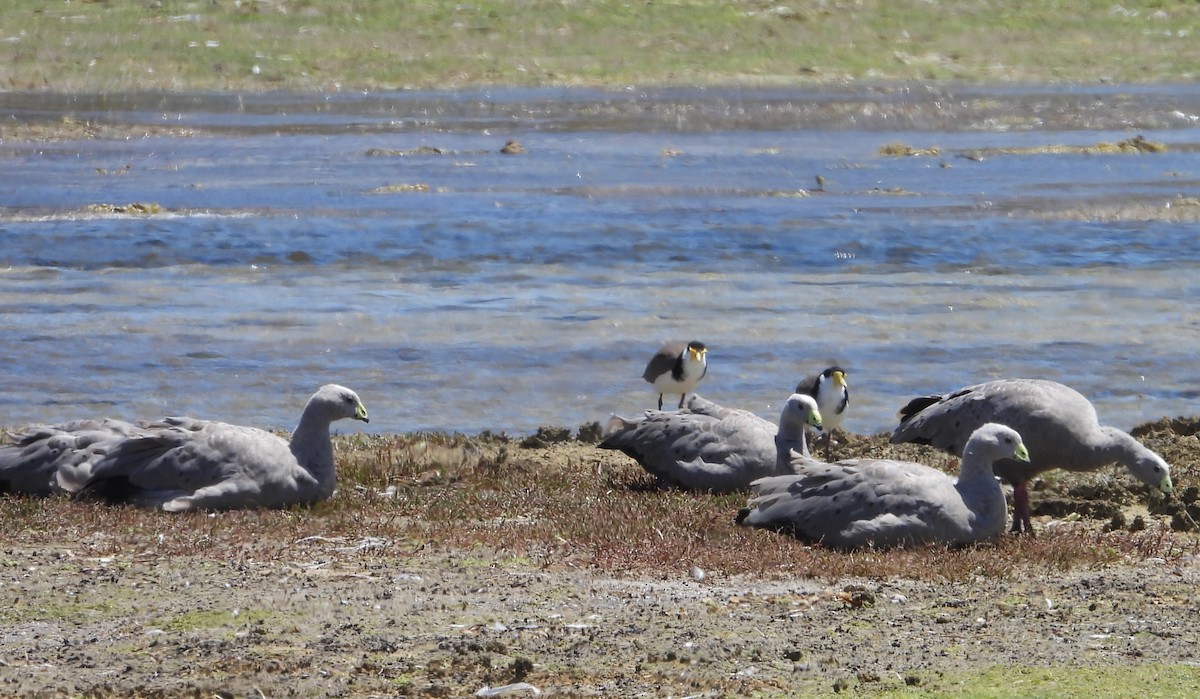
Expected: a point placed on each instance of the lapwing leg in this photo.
(681, 397)
(660, 401)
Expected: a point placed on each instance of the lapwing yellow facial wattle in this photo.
(831, 391)
(677, 368)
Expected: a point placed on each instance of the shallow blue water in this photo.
(526, 290)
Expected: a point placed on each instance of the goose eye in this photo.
(1008, 440)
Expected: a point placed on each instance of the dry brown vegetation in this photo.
(549, 503)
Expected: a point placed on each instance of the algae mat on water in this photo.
(380, 44)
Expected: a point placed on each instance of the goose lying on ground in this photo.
(30, 463)
(883, 503)
(183, 464)
(705, 446)
(1058, 424)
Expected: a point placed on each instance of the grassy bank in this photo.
(119, 45)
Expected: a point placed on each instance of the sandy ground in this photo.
(373, 617)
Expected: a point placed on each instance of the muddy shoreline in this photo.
(101, 604)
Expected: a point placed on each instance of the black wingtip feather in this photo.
(785, 528)
(916, 405)
(117, 490)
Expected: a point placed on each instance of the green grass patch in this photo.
(1137, 682)
(303, 45)
(61, 611)
(210, 619)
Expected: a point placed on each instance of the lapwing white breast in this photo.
(832, 393)
(677, 368)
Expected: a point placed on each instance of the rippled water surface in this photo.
(384, 242)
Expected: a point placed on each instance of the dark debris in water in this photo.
(136, 208)
(390, 153)
(903, 150)
(1131, 146)
(1134, 145)
(403, 188)
(508, 149)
